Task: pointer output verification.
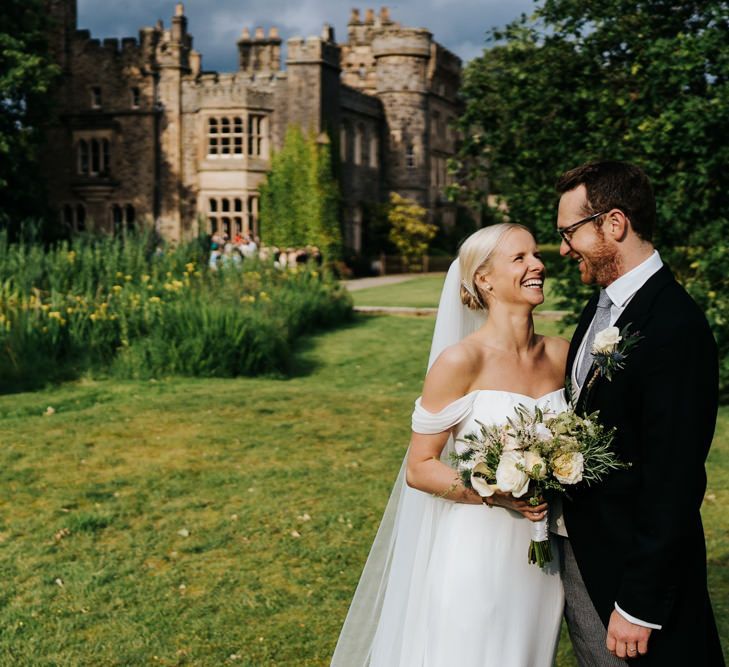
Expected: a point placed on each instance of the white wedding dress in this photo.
(449, 584)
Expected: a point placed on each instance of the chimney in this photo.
(354, 18)
(385, 16)
(369, 17)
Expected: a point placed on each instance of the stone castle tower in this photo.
(144, 133)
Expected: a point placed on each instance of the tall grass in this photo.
(128, 308)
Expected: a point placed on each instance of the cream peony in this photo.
(568, 467)
(479, 484)
(508, 476)
(606, 340)
(532, 459)
(542, 432)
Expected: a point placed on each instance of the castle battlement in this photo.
(312, 50)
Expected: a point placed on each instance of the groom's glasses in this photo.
(567, 232)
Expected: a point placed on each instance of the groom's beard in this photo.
(602, 265)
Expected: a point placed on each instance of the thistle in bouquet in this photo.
(533, 454)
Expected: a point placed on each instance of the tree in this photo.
(300, 200)
(641, 80)
(27, 74)
(409, 229)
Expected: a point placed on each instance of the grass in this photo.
(421, 292)
(219, 521)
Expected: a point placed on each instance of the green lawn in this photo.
(421, 292)
(215, 522)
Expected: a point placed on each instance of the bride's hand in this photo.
(531, 512)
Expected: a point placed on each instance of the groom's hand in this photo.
(625, 639)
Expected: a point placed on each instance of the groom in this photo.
(634, 565)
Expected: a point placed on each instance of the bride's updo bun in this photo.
(475, 257)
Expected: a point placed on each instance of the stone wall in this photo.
(385, 98)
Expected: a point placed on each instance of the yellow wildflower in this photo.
(117, 288)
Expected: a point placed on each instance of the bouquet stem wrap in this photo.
(540, 550)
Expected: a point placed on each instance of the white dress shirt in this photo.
(621, 292)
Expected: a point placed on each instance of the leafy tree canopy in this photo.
(27, 74)
(640, 80)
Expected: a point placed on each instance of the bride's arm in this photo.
(448, 380)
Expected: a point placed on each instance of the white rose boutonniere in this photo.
(610, 350)
(606, 340)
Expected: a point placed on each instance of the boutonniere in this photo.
(610, 349)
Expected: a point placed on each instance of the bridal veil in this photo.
(389, 589)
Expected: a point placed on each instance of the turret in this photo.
(260, 54)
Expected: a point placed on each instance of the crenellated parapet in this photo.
(260, 53)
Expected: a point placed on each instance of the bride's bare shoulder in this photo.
(557, 349)
(451, 375)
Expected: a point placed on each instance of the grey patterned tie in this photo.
(601, 321)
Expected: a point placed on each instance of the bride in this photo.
(447, 580)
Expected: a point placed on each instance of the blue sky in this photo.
(460, 25)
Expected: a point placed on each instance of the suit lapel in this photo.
(636, 313)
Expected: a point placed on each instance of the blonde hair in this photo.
(475, 256)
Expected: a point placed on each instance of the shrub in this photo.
(123, 306)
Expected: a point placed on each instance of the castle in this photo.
(143, 132)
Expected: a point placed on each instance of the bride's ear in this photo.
(482, 282)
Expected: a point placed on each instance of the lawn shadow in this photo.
(305, 362)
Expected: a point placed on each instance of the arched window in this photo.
(105, 156)
(83, 157)
(226, 205)
(374, 150)
(343, 142)
(358, 132)
(95, 157)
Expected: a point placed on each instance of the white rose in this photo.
(532, 459)
(508, 477)
(606, 340)
(479, 484)
(568, 467)
(542, 432)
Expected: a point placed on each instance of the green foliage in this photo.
(109, 305)
(705, 274)
(27, 75)
(300, 200)
(410, 231)
(641, 80)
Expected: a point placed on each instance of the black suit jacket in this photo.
(638, 537)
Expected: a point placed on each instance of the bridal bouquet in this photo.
(533, 453)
